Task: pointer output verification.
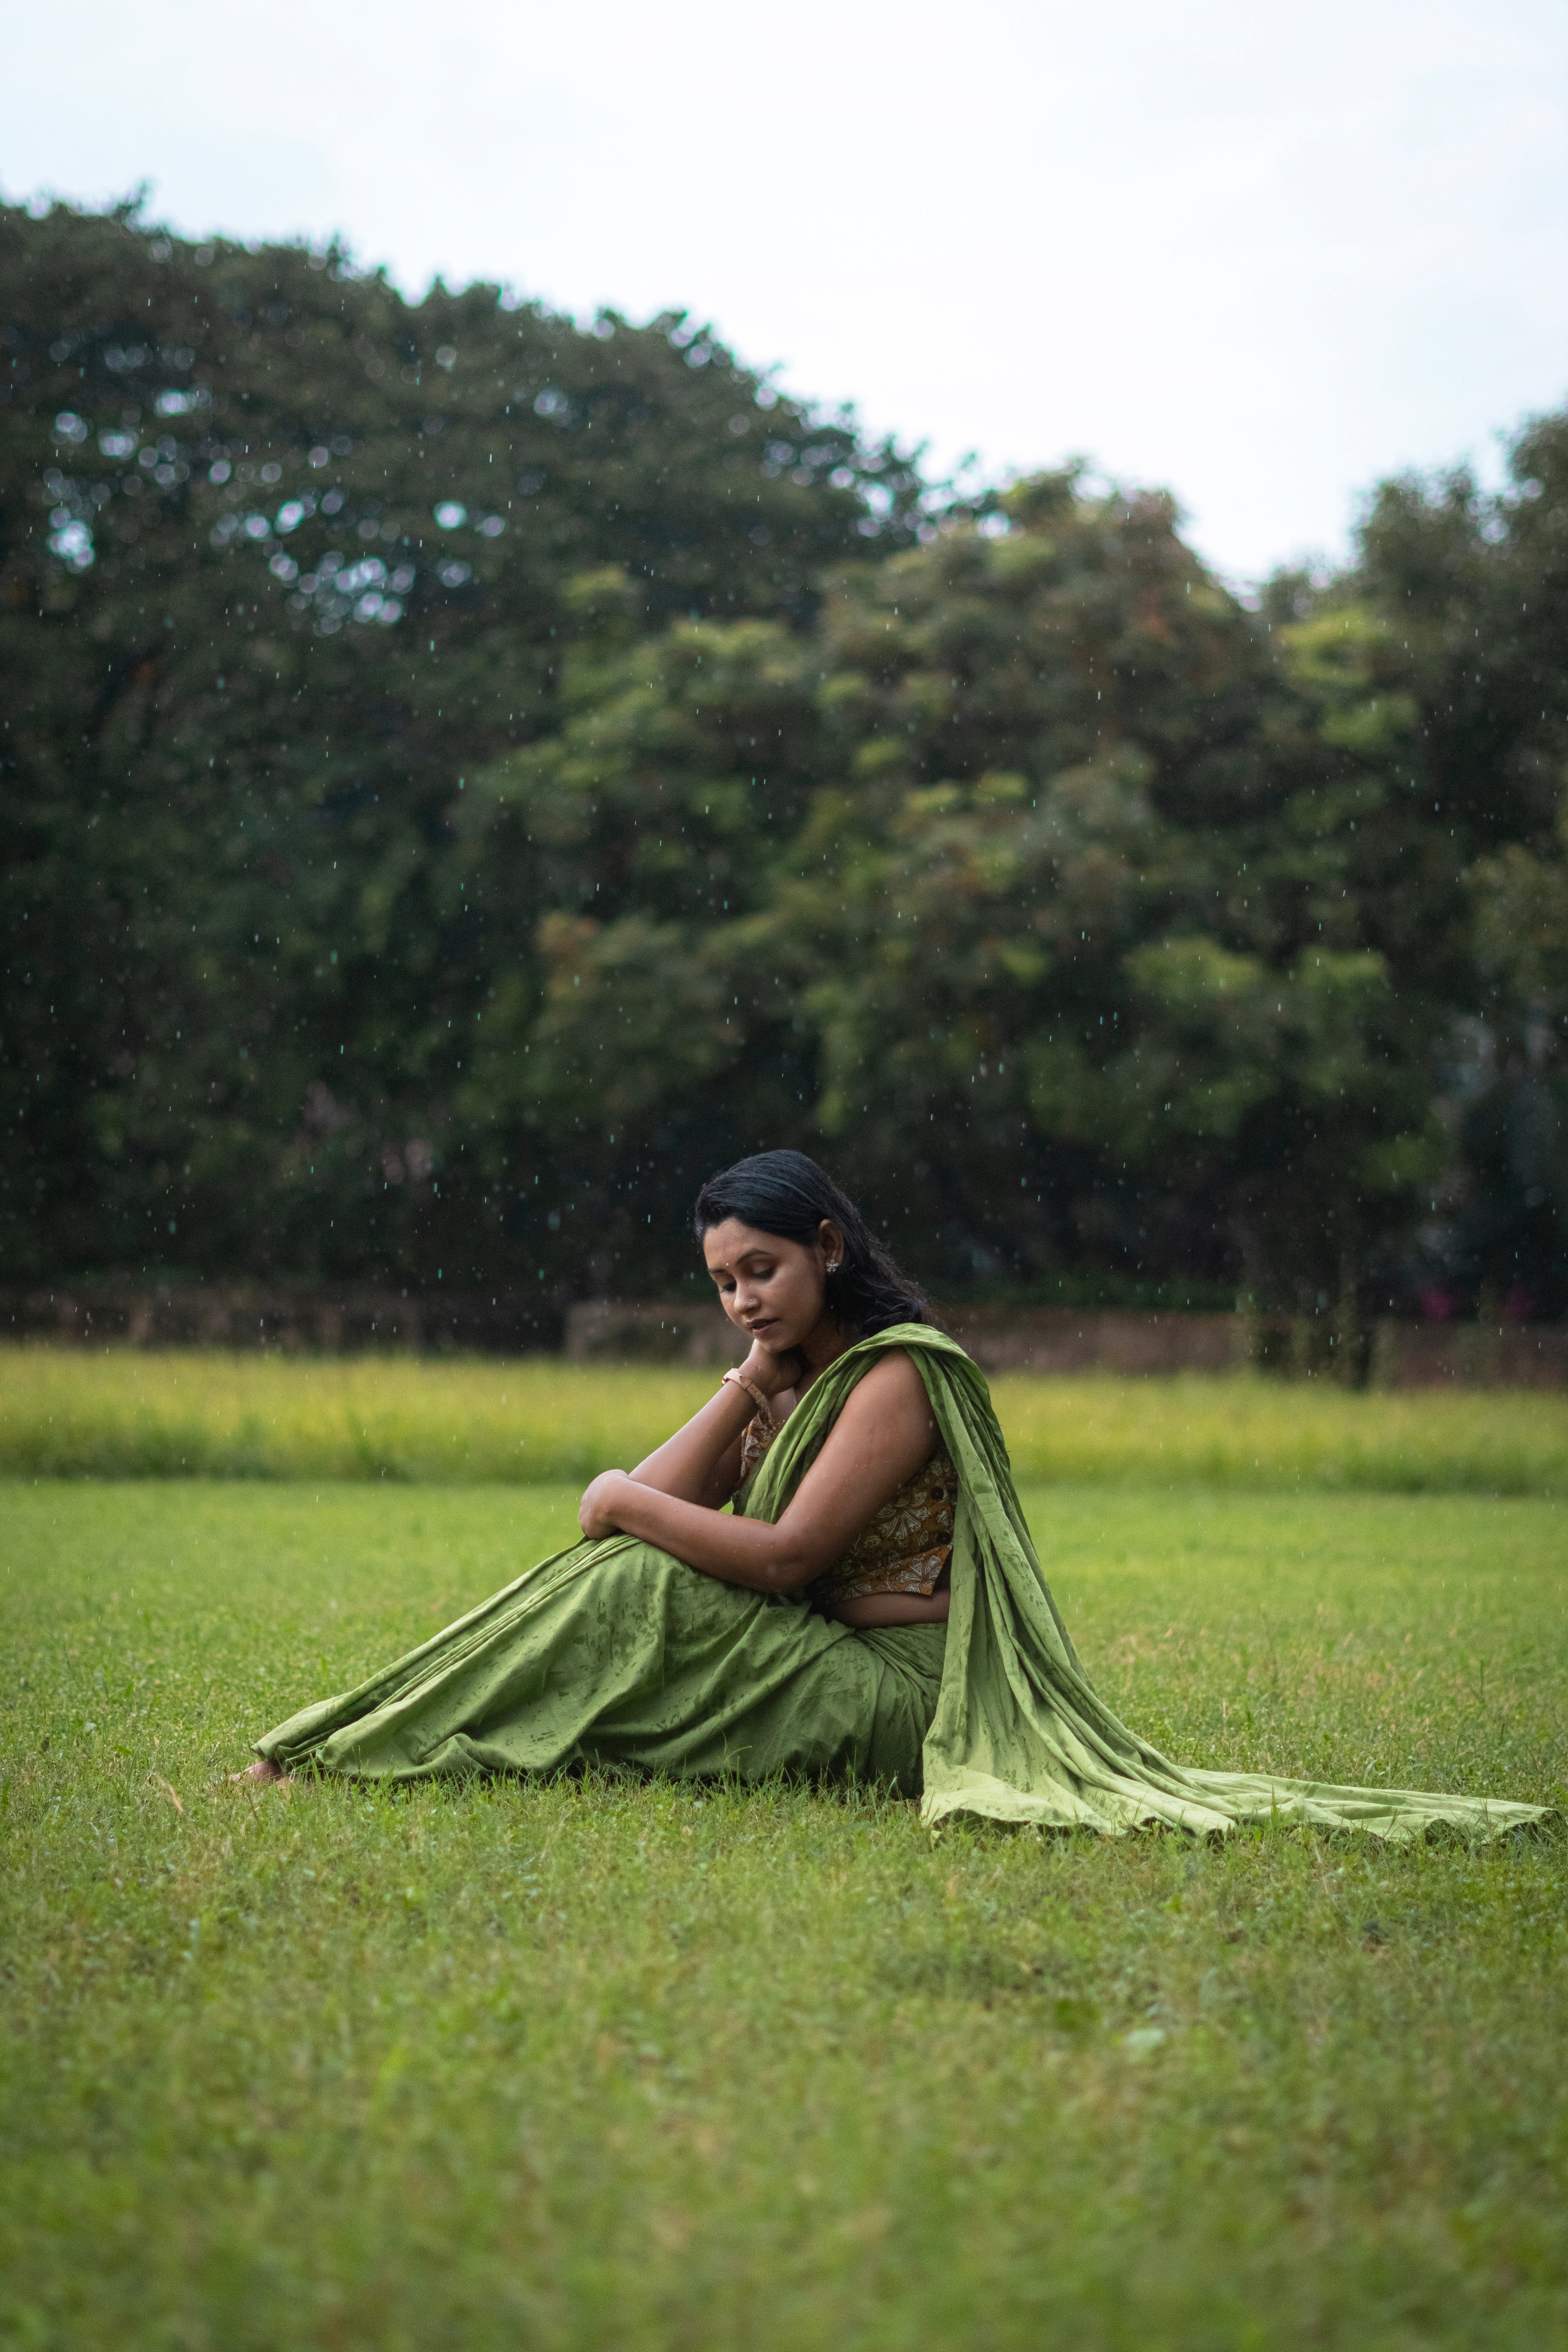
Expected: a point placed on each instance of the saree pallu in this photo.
(614, 1653)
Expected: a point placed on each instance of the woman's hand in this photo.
(773, 1373)
(883, 1432)
(597, 1513)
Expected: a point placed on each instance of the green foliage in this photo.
(962, 882)
(1513, 1232)
(589, 2063)
(283, 561)
(468, 775)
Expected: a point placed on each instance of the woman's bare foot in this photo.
(264, 1771)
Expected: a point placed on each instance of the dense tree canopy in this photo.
(464, 776)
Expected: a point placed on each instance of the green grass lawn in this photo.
(600, 2065)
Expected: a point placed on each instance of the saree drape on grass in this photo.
(612, 1652)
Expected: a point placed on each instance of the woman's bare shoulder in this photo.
(882, 1432)
(893, 1384)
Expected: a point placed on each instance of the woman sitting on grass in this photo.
(873, 1606)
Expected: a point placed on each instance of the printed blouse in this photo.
(904, 1548)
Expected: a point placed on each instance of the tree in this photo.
(465, 775)
(992, 888)
(1436, 676)
(283, 560)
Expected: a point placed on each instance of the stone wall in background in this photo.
(1060, 1341)
(296, 1317)
(1048, 1340)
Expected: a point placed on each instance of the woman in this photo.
(873, 1605)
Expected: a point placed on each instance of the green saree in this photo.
(614, 1653)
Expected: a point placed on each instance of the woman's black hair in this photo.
(785, 1192)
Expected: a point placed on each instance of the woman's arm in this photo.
(880, 1440)
(701, 1463)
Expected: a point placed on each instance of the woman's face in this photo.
(772, 1288)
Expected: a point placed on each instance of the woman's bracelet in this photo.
(738, 1378)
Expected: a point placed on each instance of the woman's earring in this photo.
(831, 1266)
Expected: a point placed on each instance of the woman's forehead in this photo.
(728, 1243)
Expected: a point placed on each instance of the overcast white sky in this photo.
(1261, 254)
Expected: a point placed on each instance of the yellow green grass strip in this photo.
(126, 1414)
